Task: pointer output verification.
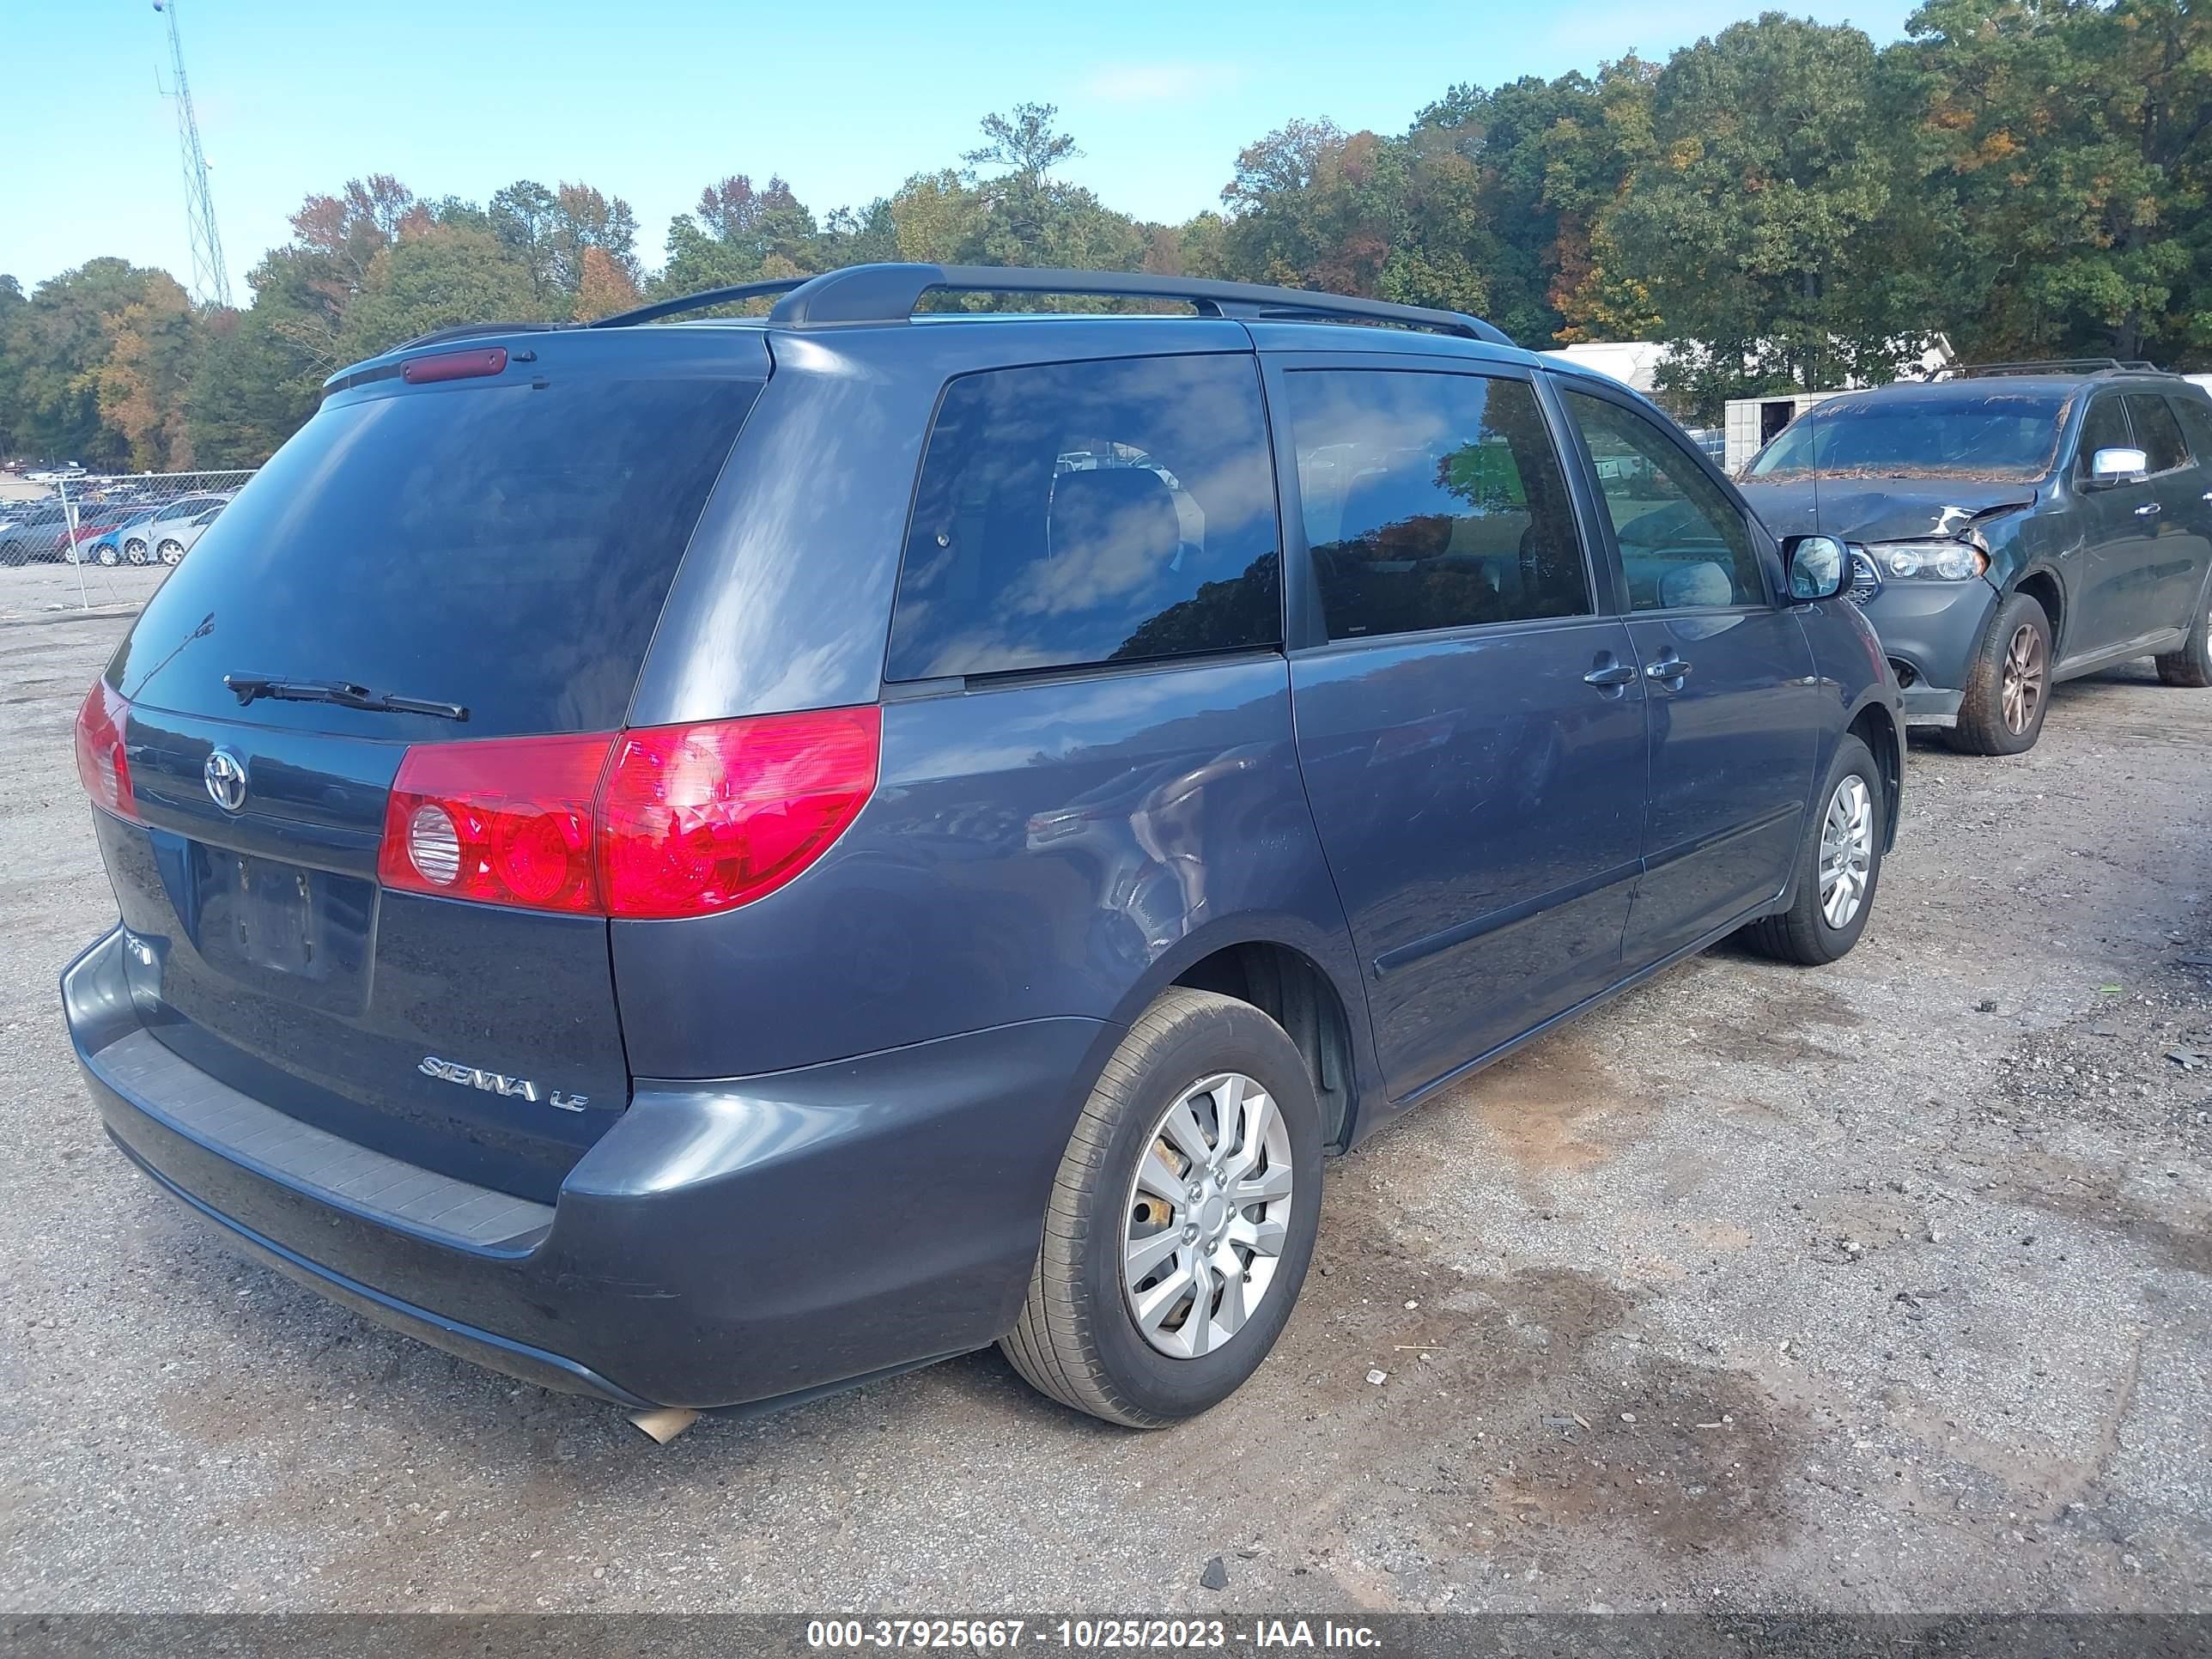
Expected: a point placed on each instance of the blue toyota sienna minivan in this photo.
(699, 863)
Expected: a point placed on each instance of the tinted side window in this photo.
(2105, 427)
(1088, 512)
(2157, 432)
(1683, 542)
(1431, 500)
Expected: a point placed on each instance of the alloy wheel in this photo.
(2023, 683)
(172, 552)
(1846, 851)
(1207, 1216)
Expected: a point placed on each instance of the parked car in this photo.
(174, 540)
(33, 532)
(2015, 527)
(699, 919)
(139, 539)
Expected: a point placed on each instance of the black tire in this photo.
(135, 552)
(1077, 1339)
(1801, 933)
(106, 555)
(2191, 666)
(170, 552)
(1983, 728)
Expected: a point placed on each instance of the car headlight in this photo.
(1931, 560)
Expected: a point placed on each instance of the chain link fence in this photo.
(92, 538)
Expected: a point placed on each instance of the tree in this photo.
(603, 287)
(1022, 142)
(431, 279)
(249, 392)
(2069, 158)
(1761, 226)
(154, 346)
(11, 368)
(739, 234)
(58, 344)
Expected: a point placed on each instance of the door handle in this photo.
(1670, 668)
(2206, 496)
(1610, 676)
(2149, 508)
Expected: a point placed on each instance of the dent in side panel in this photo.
(1029, 853)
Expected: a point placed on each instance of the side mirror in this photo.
(1819, 569)
(2108, 467)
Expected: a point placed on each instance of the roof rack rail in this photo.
(890, 293)
(705, 300)
(2058, 365)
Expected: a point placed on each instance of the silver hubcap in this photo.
(2023, 678)
(1846, 851)
(1208, 1212)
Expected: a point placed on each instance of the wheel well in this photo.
(1291, 989)
(1880, 736)
(2043, 588)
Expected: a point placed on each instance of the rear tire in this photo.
(1079, 1338)
(2008, 684)
(2191, 666)
(171, 553)
(1841, 847)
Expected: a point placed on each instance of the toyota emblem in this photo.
(225, 775)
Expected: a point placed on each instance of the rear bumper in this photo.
(1932, 630)
(725, 1243)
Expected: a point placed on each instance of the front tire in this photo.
(2191, 666)
(1838, 867)
(1182, 1217)
(2008, 684)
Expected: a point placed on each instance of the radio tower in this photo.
(210, 278)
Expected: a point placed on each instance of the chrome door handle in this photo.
(1612, 674)
(2149, 508)
(2206, 496)
(1668, 667)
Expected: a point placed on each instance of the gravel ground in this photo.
(1876, 1287)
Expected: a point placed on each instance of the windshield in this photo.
(2005, 435)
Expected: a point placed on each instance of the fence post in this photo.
(70, 546)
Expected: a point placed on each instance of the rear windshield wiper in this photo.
(345, 693)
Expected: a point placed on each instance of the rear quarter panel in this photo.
(1054, 849)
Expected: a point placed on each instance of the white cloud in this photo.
(1158, 83)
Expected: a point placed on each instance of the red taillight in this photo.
(698, 819)
(658, 822)
(102, 765)
(506, 821)
(454, 366)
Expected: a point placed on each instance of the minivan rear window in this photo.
(1071, 514)
(507, 547)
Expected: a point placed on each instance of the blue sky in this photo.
(653, 101)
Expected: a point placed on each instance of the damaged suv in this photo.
(2016, 525)
(696, 864)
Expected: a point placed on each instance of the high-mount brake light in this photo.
(657, 822)
(103, 765)
(454, 365)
